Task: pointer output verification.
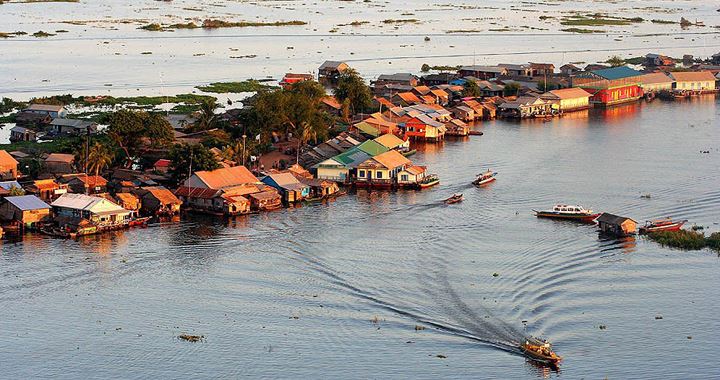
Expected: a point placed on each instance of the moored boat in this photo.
(485, 178)
(540, 351)
(429, 181)
(666, 224)
(568, 212)
(455, 198)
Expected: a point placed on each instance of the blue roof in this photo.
(7, 185)
(27, 202)
(616, 73)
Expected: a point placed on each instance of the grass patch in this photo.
(598, 20)
(250, 85)
(152, 27)
(214, 24)
(189, 25)
(40, 33)
(582, 30)
(656, 21)
(401, 21)
(683, 239)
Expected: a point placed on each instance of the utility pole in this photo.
(243, 153)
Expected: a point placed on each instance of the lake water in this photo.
(102, 51)
(336, 290)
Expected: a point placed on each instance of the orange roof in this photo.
(692, 76)
(385, 102)
(422, 90)
(6, 159)
(392, 159)
(428, 99)
(60, 157)
(415, 170)
(389, 140)
(196, 192)
(92, 180)
(654, 78)
(226, 177)
(127, 198)
(46, 184)
(380, 122)
(409, 97)
(570, 93)
(163, 195)
(331, 102)
(440, 93)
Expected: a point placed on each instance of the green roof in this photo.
(368, 129)
(373, 148)
(619, 72)
(353, 157)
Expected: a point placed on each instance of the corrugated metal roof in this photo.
(74, 123)
(619, 72)
(45, 107)
(83, 202)
(7, 185)
(692, 76)
(372, 147)
(27, 202)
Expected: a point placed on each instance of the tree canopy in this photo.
(470, 88)
(183, 156)
(136, 131)
(352, 86)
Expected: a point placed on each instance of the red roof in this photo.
(162, 163)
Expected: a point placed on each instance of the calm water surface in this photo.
(336, 290)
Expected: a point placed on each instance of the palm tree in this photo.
(307, 133)
(99, 157)
(206, 115)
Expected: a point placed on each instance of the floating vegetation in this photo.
(189, 25)
(152, 27)
(581, 30)
(214, 24)
(684, 239)
(656, 21)
(191, 338)
(40, 33)
(598, 19)
(401, 21)
(250, 85)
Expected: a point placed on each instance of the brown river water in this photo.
(336, 290)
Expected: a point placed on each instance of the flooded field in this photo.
(399, 285)
(98, 48)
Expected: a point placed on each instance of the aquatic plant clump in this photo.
(250, 85)
(683, 239)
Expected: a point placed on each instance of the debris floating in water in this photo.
(192, 338)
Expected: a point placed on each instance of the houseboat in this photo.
(485, 178)
(666, 224)
(568, 212)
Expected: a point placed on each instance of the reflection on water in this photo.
(392, 280)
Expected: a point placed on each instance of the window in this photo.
(404, 177)
(361, 173)
(378, 174)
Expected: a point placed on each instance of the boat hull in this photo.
(484, 182)
(668, 227)
(583, 218)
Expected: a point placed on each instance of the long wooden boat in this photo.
(540, 351)
(429, 181)
(568, 212)
(666, 224)
(485, 178)
(475, 133)
(455, 198)
(408, 153)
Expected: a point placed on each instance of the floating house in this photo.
(424, 127)
(456, 127)
(329, 72)
(8, 166)
(128, 201)
(157, 200)
(393, 142)
(340, 167)
(290, 188)
(616, 225)
(72, 127)
(610, 86)
(27, 210)
(18, 133)
(699, 81)
(541, 69)
(89, 214)
(59, 163)
(525, 106)
(51, 110)
(656, 82)
(381, 170)
(517, 70)
(85, 184)
(290, 79)
(568, 99)
(482, 72)
(411, 176)
(47, 189)
(569, 69)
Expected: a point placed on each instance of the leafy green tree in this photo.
(545, 87)
(425, 68)
(471, 89)
(136, 131)
(15, 191)
(511, 89)
(352, 86)
(183, 156)
(309, 89)
(206, 117)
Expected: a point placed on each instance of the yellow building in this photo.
(693, 80)
(656, 82)
(382, 169)
(568, 99)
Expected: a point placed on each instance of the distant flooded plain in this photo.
(98, 48)
(399, 285)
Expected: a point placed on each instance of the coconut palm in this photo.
(206, 118)
(99, 157)
(307, 132)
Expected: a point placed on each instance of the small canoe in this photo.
(666, 224)
(455, 198)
